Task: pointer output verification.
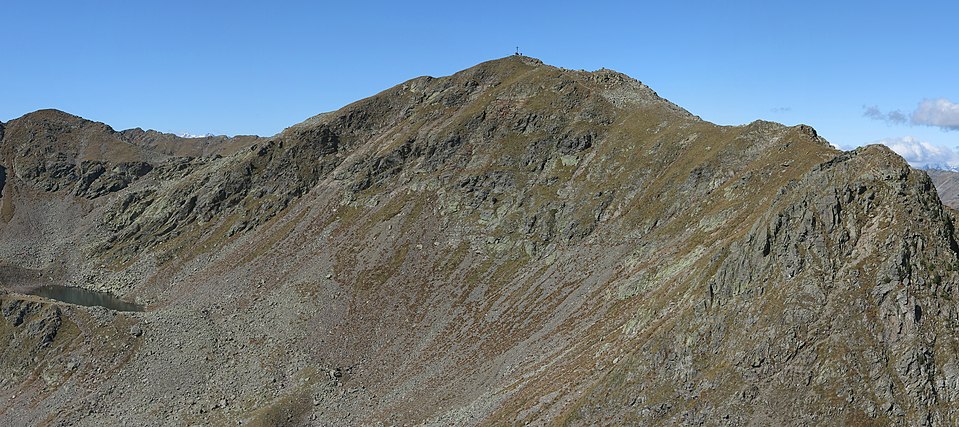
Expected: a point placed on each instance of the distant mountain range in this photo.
(190, 135)
(942, 167)
(947, 185)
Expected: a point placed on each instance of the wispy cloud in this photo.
(937, 112)
(893, 117)
(921, 153)
(781, 109)
(940, 113)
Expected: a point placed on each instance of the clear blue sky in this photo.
(235, 67)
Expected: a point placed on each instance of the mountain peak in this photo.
(52, 115)
(522, 81)
(520, 58)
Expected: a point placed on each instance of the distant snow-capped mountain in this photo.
(939, 167)
(190, 135)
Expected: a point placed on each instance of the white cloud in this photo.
(940, 113)
(922, 154)
(937, 112)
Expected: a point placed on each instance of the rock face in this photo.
(513, 243)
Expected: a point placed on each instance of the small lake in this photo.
(79, 296)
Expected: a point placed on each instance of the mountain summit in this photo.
(515, 243)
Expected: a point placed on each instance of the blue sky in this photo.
(859, 72)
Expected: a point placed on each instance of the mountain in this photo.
(940, 167)
(515, 243)
(947, 185)
(190, 135)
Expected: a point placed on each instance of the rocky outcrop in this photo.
(239, 193)
(3, 179)
(96, 180)
(53, 151)
(31, 332)
(40, 322)
(49, 150)
(829, 288)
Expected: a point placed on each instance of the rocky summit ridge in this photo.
(514, 243)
